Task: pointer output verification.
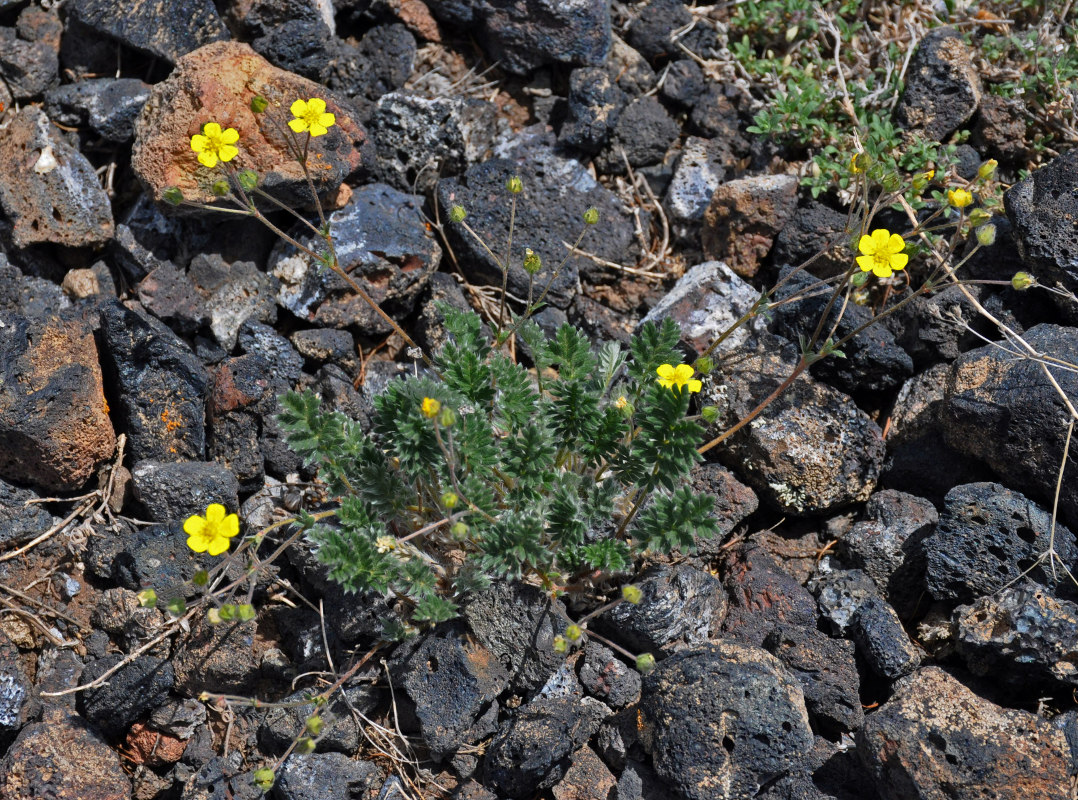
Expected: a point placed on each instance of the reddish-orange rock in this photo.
(147, 746)
(216, 83)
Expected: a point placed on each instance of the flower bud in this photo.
(573, 633)
(449, 500)
(314, 725)
(220, 188)
(430, 407)
(860, 162)
(457, 214)
(172, 195)
(200, 578)
(624, 407)
(447, 419)
(263, 779)
(986, 235)
(922, 179)
(631, 593)
(305, 746)
(560, 644)
(227, 611)
(987, 170)
(645, 662)
(978, 217)
(459, 531)
(959, 198)
(248, 179)
(177, 606)
(532, 262)
(147, 598)
(259, 104)
(891, 182)
(859, 279)
(245, 611)
(703, 365)
(213, 616)
(591, 216)
(515, 185)
(1022, 281)
(710, 414)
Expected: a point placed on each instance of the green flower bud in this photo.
(457, 214)
(710, 414)
(560, 644)
(459, 531)
(573, 633)
(860, 279)
(891, 182)
(314, 725)
(172, 195)
(227, 611)
(177, 606)
(147, 598)
(515, 185)
(263, 779)
(631, 593)
(446, 417)
(986, 235)
(248, 179)
(978, 217)
(1022, 281)
(591, 216)
(213, 616)
(259, 104)
(200, 578)
(220, 188)
(532, 262)
(245, 611)
(449, 499)
(860, 162)
(645, 662)
(703, 365)
(305, 746)
(987, 169)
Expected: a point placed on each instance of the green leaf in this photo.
(609, 556)
(672, 522)
(570, 349)
(652, 347)
(513, 545)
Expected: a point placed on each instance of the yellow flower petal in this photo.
(866, 263)
(316, 106)
(215, 512)
(866, 245)
(227, 152)
(194, 525)
(694, 385)
(666, 375)
(895, 244)
(682, 373)
(899, 261)
(207, 159)
(217, 545)
(230, 525)
(212, 130)
(318, 130)
(298, 108)
(880, 237)
(327, 120)
(881, 270)
(199, 542)
(199, 142)
(297, 125)
(230, 136)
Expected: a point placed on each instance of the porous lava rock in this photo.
(943, 89)
(745, 216)
(1042, 210)
(216, 83)
(166, 28)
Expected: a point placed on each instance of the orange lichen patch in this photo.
(145, 746)
(170, 424)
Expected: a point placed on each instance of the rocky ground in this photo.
(878, 618)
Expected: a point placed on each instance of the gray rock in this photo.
(160, 386)
(882, 641)
(217, 658)
(684, 83)
(155, 555)
(607, 677)
(839, 594)
(300, 45)
(680, 606)
(700, 170)
(321, 345)
(586, 776)
(594, 103)
(762, 596)
(15, 691)
(29, 296)
(934, 732)
(173, 491)
(733, 502)
(827, 670)
(942, 90)
(57, 196)
(723, 720)
(1000, 129)
(164, 28)
(146, 239)
(430, 332)
(234, 293)
(221, 778)
(651, 32)
(1020, 636)
(705, 301)
(986, 538)
(873, 360)
(129, 692)
(818, 232)
(629, 69)
(119, 612)
(518, 623)
(178, 718)
(643, 131)
(168, 294)
(340, 732)
(381, 240)
(886, 546)
(1039, 208)
(264, 342)
(28, 68)
(811, 450)
(381, 62)
(745, 216)
(529, 749)
(326, 776)
(452, 684)
(638, 781)
(549, 212)
(63, 758)
(108, 106)
(418, 140)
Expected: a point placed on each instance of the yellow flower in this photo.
(430, 407)
(211, 534)
(214, 144)
(959, 198)
(311, 117)
(678, 377)
(621, 402)
(383, 544)
(881, 253)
